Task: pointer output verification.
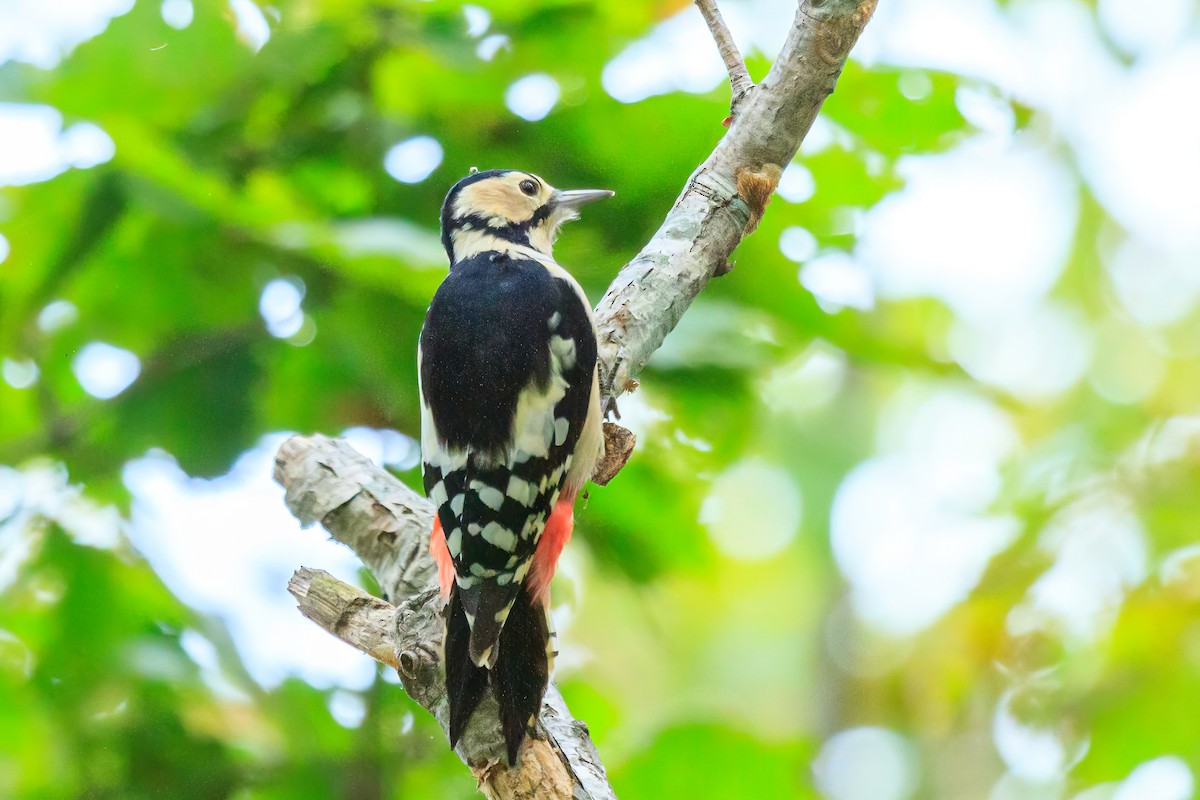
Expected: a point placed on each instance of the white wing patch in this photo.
(454, 542)
(497, 535)
(533, 426)
(521, 490)
(434, 452)
(490, 496)
(563, 351)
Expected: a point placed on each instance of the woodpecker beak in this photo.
(579, 197)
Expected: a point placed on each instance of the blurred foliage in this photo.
(708, 675)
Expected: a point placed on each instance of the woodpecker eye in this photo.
(528, 187)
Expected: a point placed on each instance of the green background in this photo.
(718, 642)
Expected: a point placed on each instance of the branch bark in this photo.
(387, 524)
(739, 77)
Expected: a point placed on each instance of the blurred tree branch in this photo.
(387, 525)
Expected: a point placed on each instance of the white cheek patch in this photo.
(470, 242)
(554, 320)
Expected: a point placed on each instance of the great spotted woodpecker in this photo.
(510, 431)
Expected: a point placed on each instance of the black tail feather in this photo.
(522, 669)
(518, 678)
(465, 682)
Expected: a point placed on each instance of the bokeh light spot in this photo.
(478, 20)
(279, 305)
(19, 373)
(57, 315)
(915, 85)
(796, 184)
(797, 243)
(492, 44)
(985, 227)
(837, 281)
(1166, 778)
(413, 160)
(104, 371)
(36, 148)
(178, 13)
(533, 97)
(866, 763)
(908, 526)
(252, 27)
(752, 511)
(347, 708)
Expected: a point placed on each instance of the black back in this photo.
(485, 338)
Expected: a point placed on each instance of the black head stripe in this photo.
(447, 218)
(539, 216)
(515, 232)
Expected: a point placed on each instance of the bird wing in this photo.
(507, 369)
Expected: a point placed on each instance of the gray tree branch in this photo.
(739, 77)
(388, 525)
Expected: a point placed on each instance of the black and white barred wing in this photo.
(507, 365)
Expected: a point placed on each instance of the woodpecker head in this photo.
(500, 208)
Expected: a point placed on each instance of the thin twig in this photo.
(739, 77)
